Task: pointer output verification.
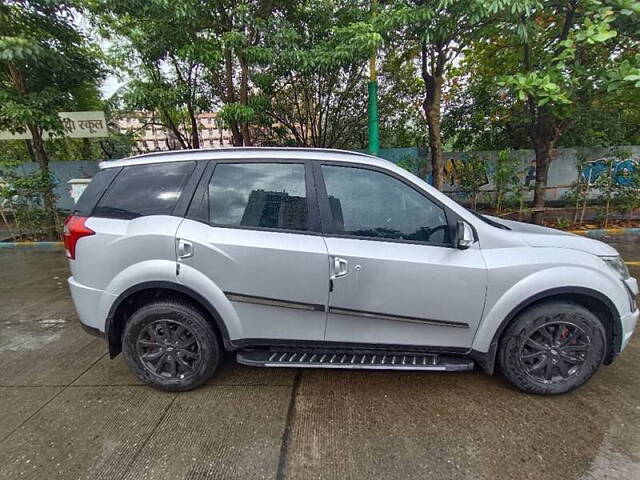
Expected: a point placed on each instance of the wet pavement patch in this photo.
(67, 411)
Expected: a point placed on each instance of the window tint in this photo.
(145, 190)
(366, 203)
(267, 195)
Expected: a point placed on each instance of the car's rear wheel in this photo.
(171, 346)
(552, 348)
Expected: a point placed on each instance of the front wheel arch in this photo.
(590, 299)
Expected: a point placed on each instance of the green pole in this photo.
(374, 133)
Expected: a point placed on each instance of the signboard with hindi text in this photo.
(76, 125)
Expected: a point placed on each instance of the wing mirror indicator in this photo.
(464, 235)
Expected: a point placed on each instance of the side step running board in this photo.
(378, 361)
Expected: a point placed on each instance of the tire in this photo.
(552, 348)
(171, 346)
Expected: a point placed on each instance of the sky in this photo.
(111, 83)
(109, 86)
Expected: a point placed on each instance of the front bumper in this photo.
(629, 322)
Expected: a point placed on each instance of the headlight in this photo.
(617, 264)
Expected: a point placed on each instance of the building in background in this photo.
(275, 209)
(150, 136)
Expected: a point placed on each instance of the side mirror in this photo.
(464, 235)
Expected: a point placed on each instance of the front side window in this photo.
(259, 195)
(141, 190)
(366, 203)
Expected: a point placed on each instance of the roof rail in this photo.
(222, 149)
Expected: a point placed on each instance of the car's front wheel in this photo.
(552, 348)
(171, 346)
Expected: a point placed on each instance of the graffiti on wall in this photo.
(621, 174)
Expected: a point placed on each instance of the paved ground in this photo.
(67, 411)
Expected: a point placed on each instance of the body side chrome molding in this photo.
(397, 318)
(274, 302)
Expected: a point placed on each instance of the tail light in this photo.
(74, 230)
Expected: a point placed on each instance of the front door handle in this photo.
(185, 249)
(340, 268)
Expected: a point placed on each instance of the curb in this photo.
(33, 245)
(602, 232)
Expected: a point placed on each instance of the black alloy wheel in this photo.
(554, 351)
(168, 348)
(171, 345)
(552, 348)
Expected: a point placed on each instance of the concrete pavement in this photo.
(67, 411)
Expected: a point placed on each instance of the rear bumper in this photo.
(93, 331)
(87, 301)
(629, 323)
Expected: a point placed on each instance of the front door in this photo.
(396, 278)
(253, 236)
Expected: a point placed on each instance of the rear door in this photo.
(397, 279)
(134, 221)
(254, 230)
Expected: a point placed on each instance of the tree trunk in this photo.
(48, 196)
(86, 149)
(543, 159)
(32, 156)
(433, 63)
(195, 137)
(431, 107)
(231, 96)
(244, 100)
(544, 134)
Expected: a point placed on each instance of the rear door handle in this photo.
(340, 268)
(185, 249)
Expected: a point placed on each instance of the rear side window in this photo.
(142, 190)
(263, 195)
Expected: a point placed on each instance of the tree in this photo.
(186, 56)
(154, 46)
(314, 86)
(436, 32)
(559, 43)
(402, 122)
(44, 60)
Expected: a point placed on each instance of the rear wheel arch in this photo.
(135, 297)
(593, 300)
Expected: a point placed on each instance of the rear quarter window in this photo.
(94, 191)
(141, 190)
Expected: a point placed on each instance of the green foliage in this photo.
(315, 90)
(585, 84)
(400, 92)
(235, 112)
(44, 60)
(555, 69)
(562, 223)
(578, 192)
(505, 178)
(472, 174)
(22, 196)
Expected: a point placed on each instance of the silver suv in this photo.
(332, 259)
